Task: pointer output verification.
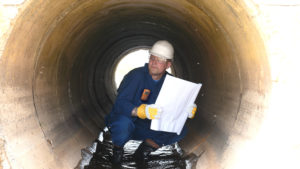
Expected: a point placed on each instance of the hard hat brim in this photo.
(158, 55)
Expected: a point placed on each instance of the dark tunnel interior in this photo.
(65, 63)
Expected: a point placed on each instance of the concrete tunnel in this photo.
(57, 74)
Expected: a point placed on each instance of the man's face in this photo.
(157, 66)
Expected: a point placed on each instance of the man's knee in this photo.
(121, 128)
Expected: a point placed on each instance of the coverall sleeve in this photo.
(124, 103)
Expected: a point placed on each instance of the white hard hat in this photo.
(162, 49)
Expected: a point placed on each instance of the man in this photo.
(134, 108)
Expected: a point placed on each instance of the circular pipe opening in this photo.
(60, 73)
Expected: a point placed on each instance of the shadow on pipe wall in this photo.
(59, 60)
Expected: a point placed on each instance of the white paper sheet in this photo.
(174, 97)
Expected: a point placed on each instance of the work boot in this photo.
(117, 155)
(141, 155)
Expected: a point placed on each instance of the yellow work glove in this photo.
(150, 111)
(192, 111)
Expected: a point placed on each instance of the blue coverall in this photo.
(122, 125)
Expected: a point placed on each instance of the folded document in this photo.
(175, 96)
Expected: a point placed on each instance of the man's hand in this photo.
(192, 111)
(150, 111)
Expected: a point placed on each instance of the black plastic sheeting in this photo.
(99, 155)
